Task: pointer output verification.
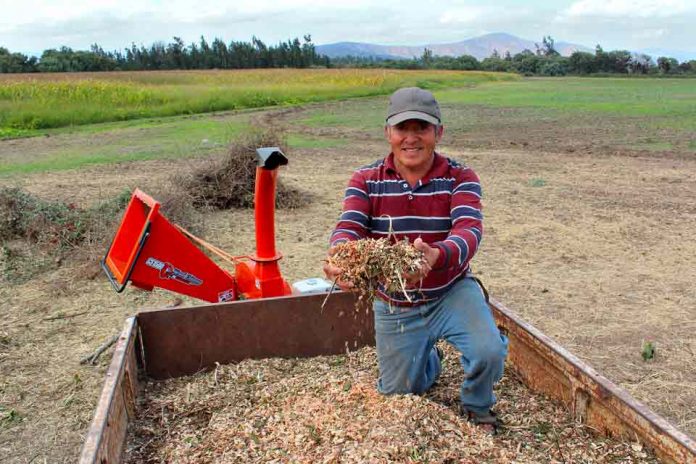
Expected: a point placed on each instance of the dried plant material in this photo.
(229, 182)
(369, 262)
(327, 409)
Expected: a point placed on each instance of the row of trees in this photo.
(545, 60)
(174, 55)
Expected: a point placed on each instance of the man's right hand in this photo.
(333, 273)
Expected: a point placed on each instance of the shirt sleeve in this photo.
(462, 242)
(354, 221)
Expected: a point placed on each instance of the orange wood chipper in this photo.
(271, 322)
(149, 251)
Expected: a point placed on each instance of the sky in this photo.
(31, 26)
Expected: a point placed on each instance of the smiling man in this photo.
(435, 202)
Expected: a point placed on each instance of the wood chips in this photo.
(368, 262)
(326, 409)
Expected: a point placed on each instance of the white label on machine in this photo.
(313, 285)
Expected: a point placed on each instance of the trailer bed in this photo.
(173, 343)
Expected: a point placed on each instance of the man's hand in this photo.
(333, 273)
(430, 253)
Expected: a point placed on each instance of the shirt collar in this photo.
(438, 169)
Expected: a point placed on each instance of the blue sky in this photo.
(30, 26)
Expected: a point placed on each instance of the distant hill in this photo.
(480, 47)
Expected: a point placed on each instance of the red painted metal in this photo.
(151, 252)
(270, 281)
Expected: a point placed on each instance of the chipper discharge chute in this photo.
(149, 251)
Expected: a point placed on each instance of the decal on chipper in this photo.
(227, 295)
(168, 271)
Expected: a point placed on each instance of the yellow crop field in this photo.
(39, 101)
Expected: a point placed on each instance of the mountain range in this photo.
(479, 47)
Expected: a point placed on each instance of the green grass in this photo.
(644, 114)
(301, 141)
(174, 138)
(31, 102)
(10, 133)
(651, 145)
(367, 115)
(673, 98)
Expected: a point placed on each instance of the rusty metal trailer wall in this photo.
(548, 368)
(106, 437)
(182, 341)
(187, 340)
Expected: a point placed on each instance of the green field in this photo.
(673, 100)
(481, 110)
(31, 102)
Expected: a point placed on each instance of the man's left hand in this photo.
(431, 254)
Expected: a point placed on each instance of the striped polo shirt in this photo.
(443, 208)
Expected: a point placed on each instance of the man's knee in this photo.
(490, 351)
(398, 386)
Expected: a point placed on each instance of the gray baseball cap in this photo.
(413, 103)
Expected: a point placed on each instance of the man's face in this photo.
(413, 143)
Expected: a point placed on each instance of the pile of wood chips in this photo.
(326, 409)
(369, 262)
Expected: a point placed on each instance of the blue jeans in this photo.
(406, 337)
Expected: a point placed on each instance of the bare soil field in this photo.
(593, 246)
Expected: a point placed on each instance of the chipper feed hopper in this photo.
(272, 322)
(149, 251)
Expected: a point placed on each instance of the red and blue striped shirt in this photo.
(443, 208)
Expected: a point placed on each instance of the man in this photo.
(435, 202)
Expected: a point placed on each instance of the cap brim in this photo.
(406, 115)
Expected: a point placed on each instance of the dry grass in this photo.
(326, 409)
(599, 256)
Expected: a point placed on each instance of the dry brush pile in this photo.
(37, 234)
(223, 183)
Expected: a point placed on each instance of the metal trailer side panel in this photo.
(188, 340)
(547, 367)
(107, 435)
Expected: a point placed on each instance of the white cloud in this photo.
(629, 8)
(30, 26)
(32, 11)
(465, 15)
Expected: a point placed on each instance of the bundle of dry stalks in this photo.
(229, 182)
(369, 262)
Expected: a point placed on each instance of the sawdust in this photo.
(327, 409)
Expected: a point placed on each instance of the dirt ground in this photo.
(592, 247)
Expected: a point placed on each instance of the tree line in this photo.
(173, 55)
(544, 60)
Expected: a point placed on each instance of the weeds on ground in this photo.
(37, 235)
